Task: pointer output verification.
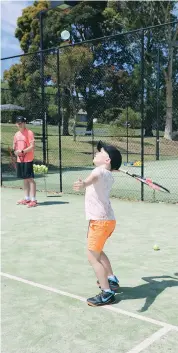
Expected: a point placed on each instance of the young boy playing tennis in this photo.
(23, 146)
(101, 219)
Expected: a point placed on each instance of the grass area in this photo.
(79, 153)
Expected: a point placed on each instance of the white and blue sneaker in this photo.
(113, 284)
(103, 298)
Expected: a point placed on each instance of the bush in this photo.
(130, 116)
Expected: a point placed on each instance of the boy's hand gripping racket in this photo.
(19, 148)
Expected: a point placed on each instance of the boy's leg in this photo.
(98, 233)
(26, 189)
(26, 186)
(32, 189)
(112, 279)
(33, 202)
(106, 263)
(100, 270)
(106, 296)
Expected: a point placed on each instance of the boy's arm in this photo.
(31, 140)
(81, 184)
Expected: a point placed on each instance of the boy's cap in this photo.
(114, 154)
(20, 119)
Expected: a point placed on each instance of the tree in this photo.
(27, 31)
(24, 87)
(149, 13)
(72, 60)
(83, 21)
(100, 87)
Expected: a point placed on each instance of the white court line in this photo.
(106, 307)
(150, 340)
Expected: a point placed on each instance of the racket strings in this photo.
(20, 145)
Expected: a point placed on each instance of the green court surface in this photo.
(46, 278)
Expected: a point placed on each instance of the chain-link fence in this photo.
(121, 89)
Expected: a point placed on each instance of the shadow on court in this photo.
(149, 291)
(48, 203)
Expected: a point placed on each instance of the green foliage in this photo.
(101, 76)
(129, 115)
(72, 61)
(111, 114)
(27, 31)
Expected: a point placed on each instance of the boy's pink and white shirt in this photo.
(97, 202)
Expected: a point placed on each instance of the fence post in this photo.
(42, 87)
(59, 121)
(127, 122)
(157, 105)
(142, 113)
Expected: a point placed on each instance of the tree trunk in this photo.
(169, 88)
(75, 122)
(66, 115)
(89, 124)
(74, 129)
(66, 112)
(148, 73)
(168, 125)
(168, 80)
(74, 113)
(89, 120)
(148, 117)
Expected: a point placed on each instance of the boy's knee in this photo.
(93, 256)
(32, 181)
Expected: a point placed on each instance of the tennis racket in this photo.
(146, 181)
(13, 158)
(20, 145)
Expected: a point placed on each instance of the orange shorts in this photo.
(98, 233)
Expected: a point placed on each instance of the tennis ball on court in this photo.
(156, 247)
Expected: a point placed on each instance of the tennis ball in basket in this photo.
(156, 247)
(35, 168)
(42, 168)
(38, 168)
